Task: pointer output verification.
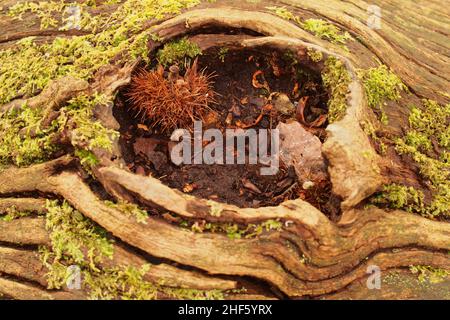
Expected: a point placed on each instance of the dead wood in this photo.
(321, 257)
(310, 256)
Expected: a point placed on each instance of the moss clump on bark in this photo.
(432, 120)
(45, 10)
(234, 230)
(130, 209)
(77, 241)
(336, 80)
(429, 126)
(180, 52)
(315, 55)
(430, 274)
(284, 13)
(381, 84)
(370, 130)
(87, 133)
(12, 213)
(318, 27)
(327, 31)
(28, 67)
(22, 141)
(398, 196)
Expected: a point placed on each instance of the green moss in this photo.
(87, 159)
(75, 240)
(27, 68)
(429, 121)
(318, 27)
(426, 124)
(130, 209)
(336, 80)
(71, 234)
(253, 230)
(445, 157)
(284, 13)
(315, 55)
(86, 132)
(222, 53)
(400, 197)
(402, 280)
(22, 142)
(381, 84)
(193, 294)
(124, 283)
(327, 31)
(431, 169)
(418, 140)
(369, 129)
(138, 48)
(45, 10)
(51, 13)
(177, 52)
(430, 274)
(234, 230)
(215, 208)
(128, 283)
(12, 213)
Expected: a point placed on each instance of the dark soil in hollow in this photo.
(239, 101)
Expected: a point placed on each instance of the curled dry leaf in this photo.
(242, 125)
(142, 126)
(257, 84)
(295, 90)
(319, 121)
(301, 109)
(266, 109)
